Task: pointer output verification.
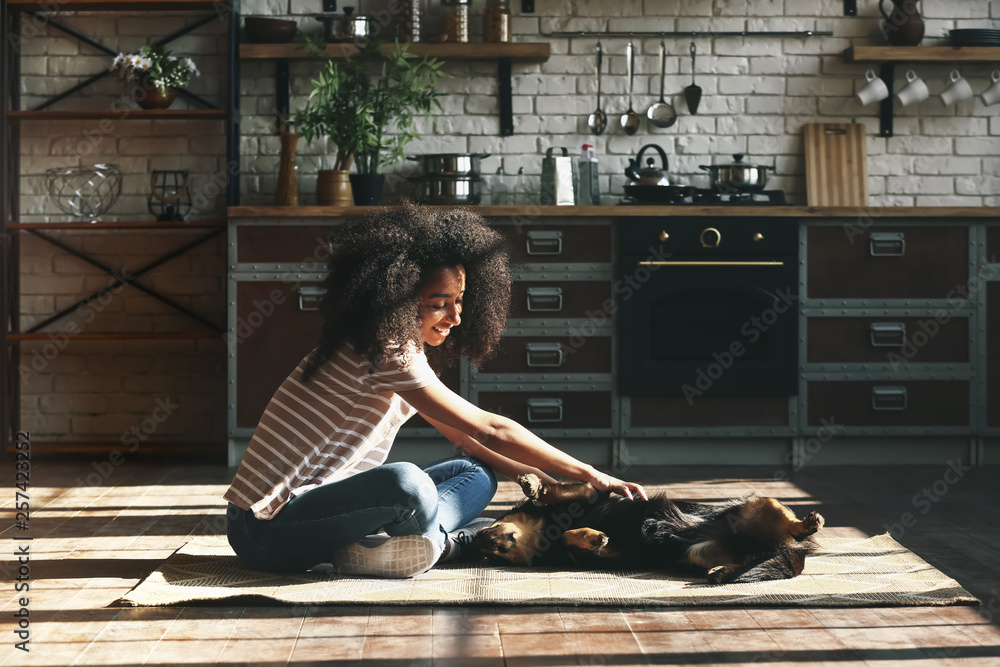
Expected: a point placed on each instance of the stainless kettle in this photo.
(648, 175)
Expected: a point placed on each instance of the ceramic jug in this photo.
(903, 25)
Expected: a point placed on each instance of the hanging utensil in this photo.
(630, 119)
(598, 121)
(692, 94)
(662, 114)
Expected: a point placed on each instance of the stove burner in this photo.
(700, 197)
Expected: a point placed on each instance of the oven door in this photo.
(708, 328)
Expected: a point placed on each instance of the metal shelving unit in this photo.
(12, 116)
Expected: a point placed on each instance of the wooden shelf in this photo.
(533, 211)
(535, 52)
(112, 5)
(125, 224)
(121, 335)
(121, 114)
(872, 54)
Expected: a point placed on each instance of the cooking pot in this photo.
(450, 164)
(449, 190)
(648, 175)
(737, 177)
(349, 28)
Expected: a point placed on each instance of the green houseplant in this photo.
(366, 105)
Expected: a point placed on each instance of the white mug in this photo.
(874, 90)
(914, 91)
(958, 90)
(992, 94)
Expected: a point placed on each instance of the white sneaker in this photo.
(459, 542)
(390, 557)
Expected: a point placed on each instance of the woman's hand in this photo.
(603, 482)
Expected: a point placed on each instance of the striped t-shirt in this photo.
(340, 423)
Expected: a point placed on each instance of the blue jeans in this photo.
(401, 498)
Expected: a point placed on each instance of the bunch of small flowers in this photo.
(155, 64)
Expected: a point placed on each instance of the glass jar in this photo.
(496, 21)
(456, 21)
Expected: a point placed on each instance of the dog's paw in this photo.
(720, 573)
(812, 523)
(531, 485)
(586, 539)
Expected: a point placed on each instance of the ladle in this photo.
(692, 94)
(630, 119)
(662, 114)
(598, 121)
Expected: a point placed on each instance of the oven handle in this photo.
(712, 263)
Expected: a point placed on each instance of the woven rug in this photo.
(875, 571)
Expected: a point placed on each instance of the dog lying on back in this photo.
(573, 525)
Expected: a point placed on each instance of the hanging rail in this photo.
(694, 33)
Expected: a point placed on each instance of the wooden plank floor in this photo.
(98, 529)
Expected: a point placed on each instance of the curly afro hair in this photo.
(380, 263)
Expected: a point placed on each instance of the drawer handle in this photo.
(887, 244)
(888, 398)
(543, 243)
(544, 355)
(545, 410)
(310, 297)
(888, 334)
(545, 299)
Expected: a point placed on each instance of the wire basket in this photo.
(85, 192)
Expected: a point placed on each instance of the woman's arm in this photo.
(507, 467)
(508, 438)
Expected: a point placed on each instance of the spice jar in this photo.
(496, 21)
(456, 21)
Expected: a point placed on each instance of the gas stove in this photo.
(701, 197)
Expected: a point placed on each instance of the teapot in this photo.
(648, 175)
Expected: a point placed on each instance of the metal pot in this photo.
(450, 164)
(349, 28)
(449, 190)
(648, 175)
(737, 177)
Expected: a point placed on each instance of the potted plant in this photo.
(157, 72)
(366, 105)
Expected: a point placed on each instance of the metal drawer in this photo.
(707, 411)
(889, 403)
(283, 244)
(888, 340)
(539, 299)
(551, 355)
(845, 262)
(558, 243)
(555, 409)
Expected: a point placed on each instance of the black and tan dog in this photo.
(572, 525)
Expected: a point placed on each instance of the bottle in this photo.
(498, 191)
(496, 21)
(588, 193)
(456, 21)
(521, 190)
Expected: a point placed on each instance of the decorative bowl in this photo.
(85, 192)
(265, 30)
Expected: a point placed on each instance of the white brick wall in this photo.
(758, 92)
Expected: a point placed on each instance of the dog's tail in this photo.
(788, 562)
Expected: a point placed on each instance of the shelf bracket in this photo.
(850, 7)
(505, 93)
(888, 75)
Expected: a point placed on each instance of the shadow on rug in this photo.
(844, 572)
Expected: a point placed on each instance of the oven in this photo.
(708, 306)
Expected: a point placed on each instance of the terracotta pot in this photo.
(148, 97)
(903, 25)
(333, 188)
(287, 192)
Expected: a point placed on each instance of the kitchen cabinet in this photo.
(993, 355)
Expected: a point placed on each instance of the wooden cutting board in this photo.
(836, 164)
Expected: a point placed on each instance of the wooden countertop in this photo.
(871, 213)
